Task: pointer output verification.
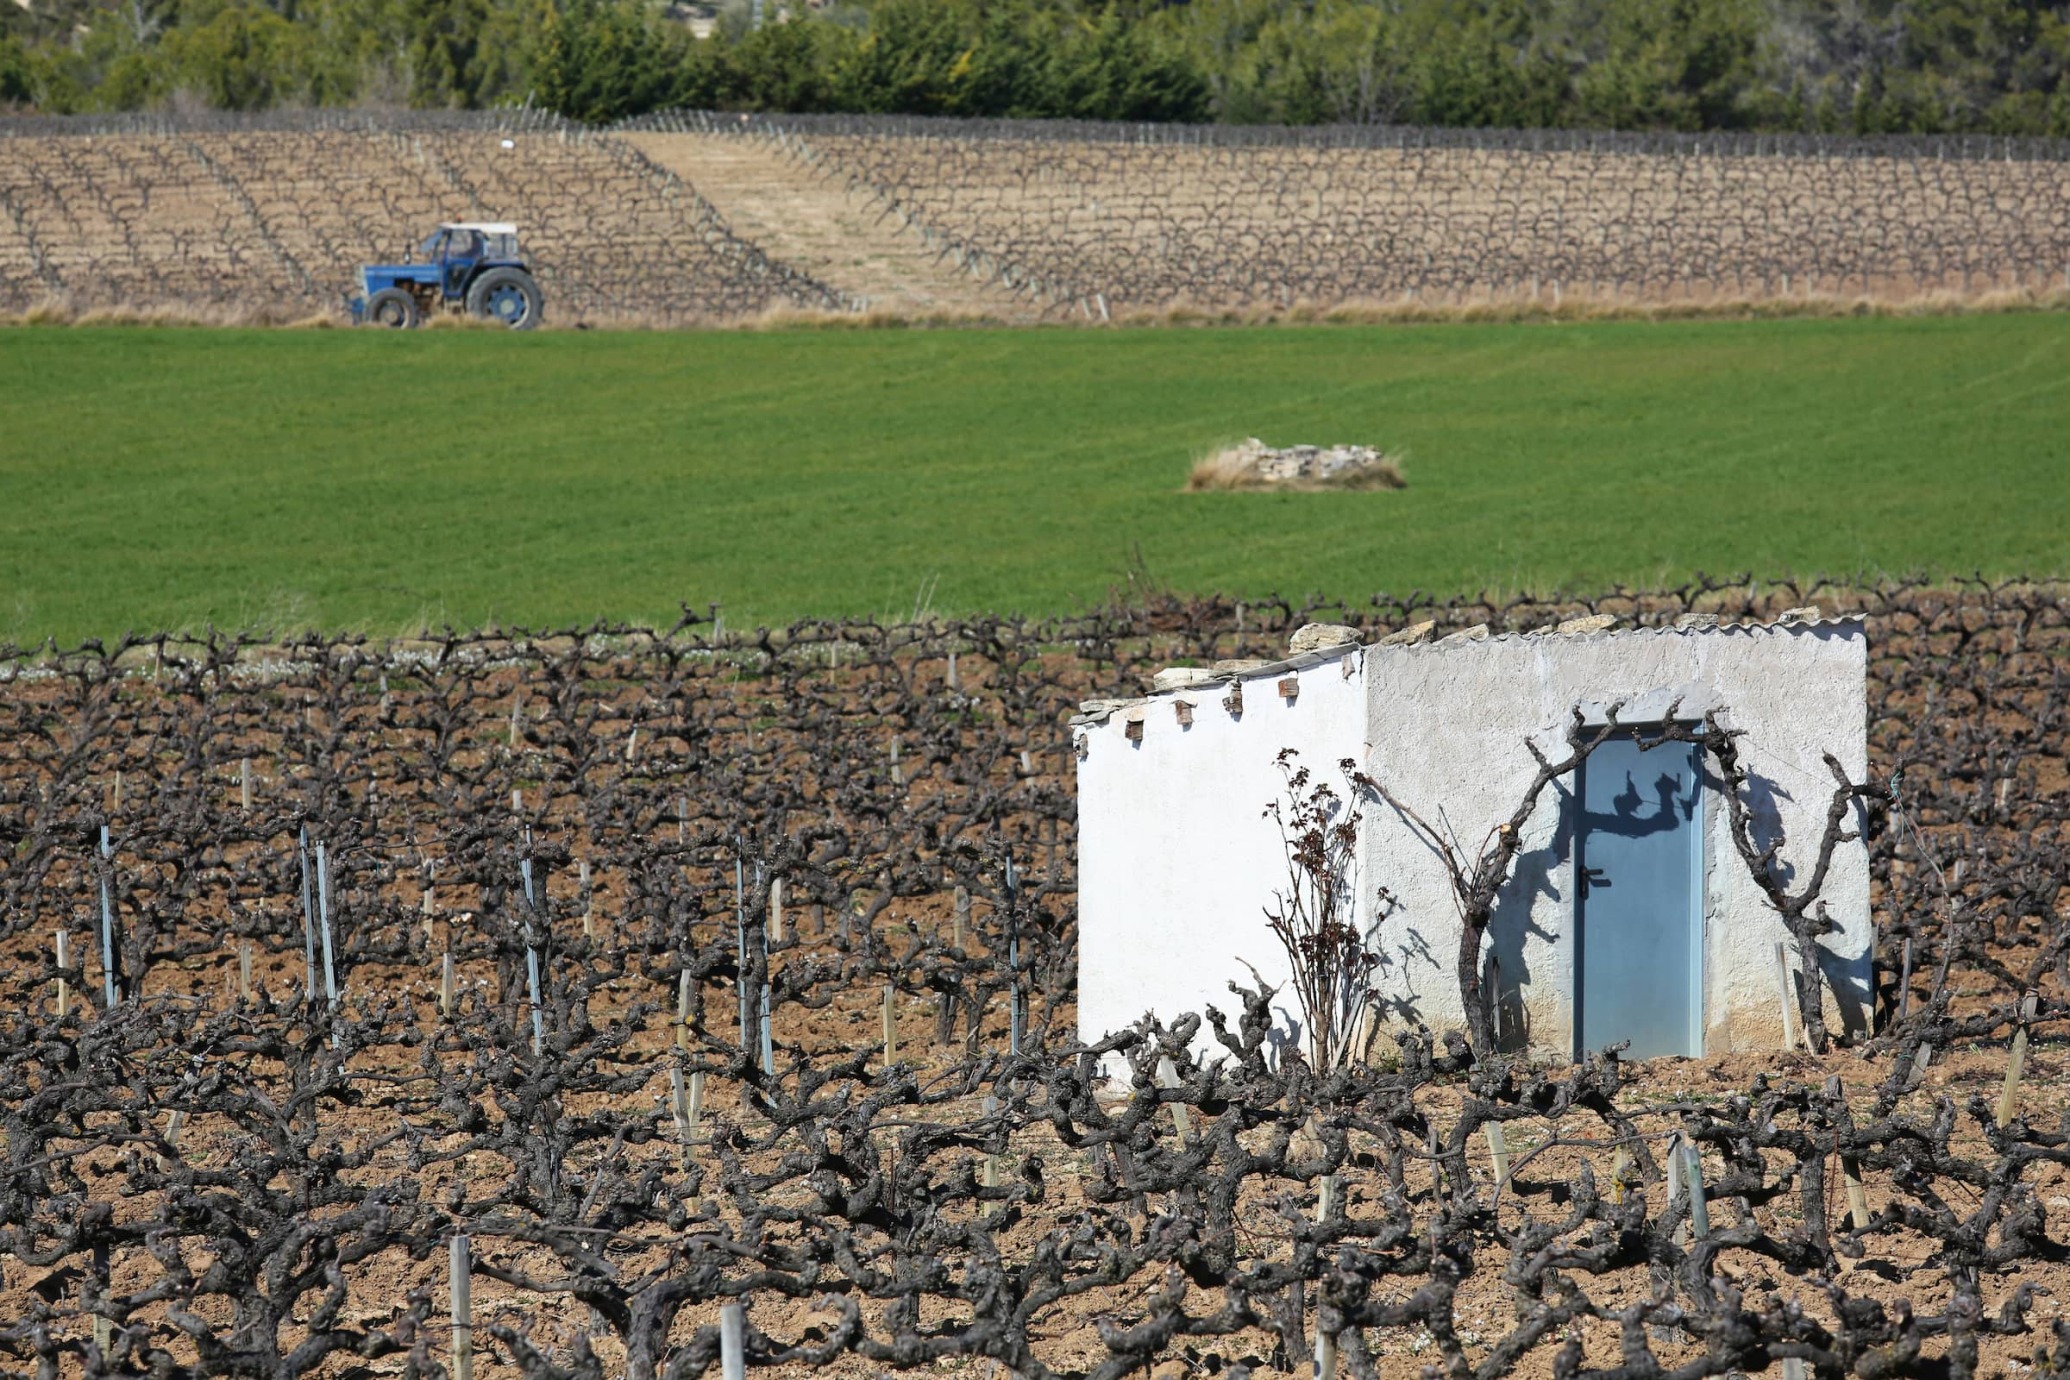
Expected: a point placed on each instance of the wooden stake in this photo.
(244, 969)
(445, 987)
(323, 915)
(890, 1027)
(109, 989)
(679, 1102)
(732, 1343)
(589, 903)
(64, 960)
(1905, 981)
(308, 922)
(463, 1310)
(2016, 1064)
(960, 919)
(990, 1174)
(1850, 1166)
(174, 1124)
(1782, 977)
(1857, 1195)
(1168, 1077)
(1920, 1061)
(244, 782)
(776, 910)
(683, 1011)
(1326, 1342)
(696, 1110)
(1498, 1150)
(1699, 1209)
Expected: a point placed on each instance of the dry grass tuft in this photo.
(1579, 307)
(871, 319)
(1572, 308)
(50, 311)
(461, 321)
(65, 311)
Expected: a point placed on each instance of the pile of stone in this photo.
(1254, 465)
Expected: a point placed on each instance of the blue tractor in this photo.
(471, 266)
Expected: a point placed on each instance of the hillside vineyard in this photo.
(268, 217)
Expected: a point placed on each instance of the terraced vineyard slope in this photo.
(842, 236)
(1091, 219)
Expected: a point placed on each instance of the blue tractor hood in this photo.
(375, 277)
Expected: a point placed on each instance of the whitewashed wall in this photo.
(1177, 863)
(1447, 728)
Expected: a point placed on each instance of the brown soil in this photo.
(1898, 1267)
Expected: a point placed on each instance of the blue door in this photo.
(1638, 856)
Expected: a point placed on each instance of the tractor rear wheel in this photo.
(393, 308)
(509, 295)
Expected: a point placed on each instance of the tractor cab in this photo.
(473, 266)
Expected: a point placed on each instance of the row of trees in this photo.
(1846, 65)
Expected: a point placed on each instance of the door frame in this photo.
(1699, 891)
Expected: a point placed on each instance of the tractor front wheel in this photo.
(509, 295)
(393, 308)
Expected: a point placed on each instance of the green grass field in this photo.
(169, 477)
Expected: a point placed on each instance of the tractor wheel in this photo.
(509, 295)
(393, 308)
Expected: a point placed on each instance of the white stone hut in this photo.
(1177, 861)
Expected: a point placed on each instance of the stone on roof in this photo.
(1182, 678)
(1415, 632)
(1314, 637)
